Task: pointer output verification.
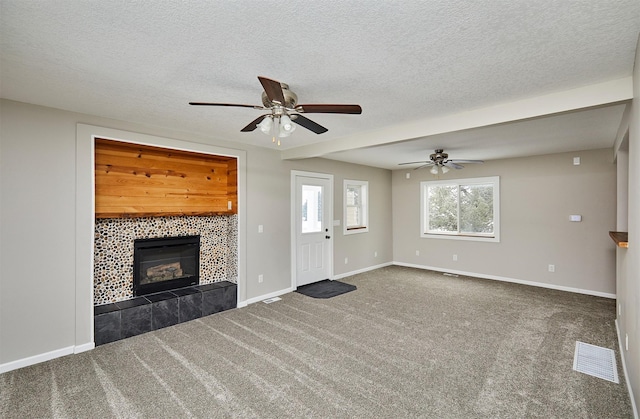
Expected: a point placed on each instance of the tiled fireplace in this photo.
(120, 314)
(114, 249)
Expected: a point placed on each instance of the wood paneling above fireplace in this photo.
(142, 181)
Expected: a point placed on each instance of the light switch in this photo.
(575, 218)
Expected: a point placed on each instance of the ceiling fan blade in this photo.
(253, 124)
(424, 165)
(273, 89)
(328, 108)
(224, 104)
(466, 161)
(452, 164)
(308, 124)
(416, 162)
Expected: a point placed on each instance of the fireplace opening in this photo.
(165, 263)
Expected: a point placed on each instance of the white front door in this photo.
(313, 227)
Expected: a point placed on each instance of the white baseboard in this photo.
(266, 296)
(516, 281)
(626, 375)
(36, 359)
(84, 347)
(359, 271)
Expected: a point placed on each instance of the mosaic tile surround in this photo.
(113, 254)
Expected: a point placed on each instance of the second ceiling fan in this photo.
(284, 110)
(440, 160)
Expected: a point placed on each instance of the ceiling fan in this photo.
(440, 159)
(282, 109)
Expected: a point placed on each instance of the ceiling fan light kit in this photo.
(434, 169)
(284, 111)
(286, 126)
(266, 125)
(439, 161)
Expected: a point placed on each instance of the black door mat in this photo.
(326, 289)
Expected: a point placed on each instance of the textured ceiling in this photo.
(402, 61)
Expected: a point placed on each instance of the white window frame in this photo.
(424, 216)
(364, 207)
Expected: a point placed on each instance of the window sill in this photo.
(356, 230)
(461, 237)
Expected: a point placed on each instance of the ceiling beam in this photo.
(607, 93)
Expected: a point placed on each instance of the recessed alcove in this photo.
(221, 264)
(86, 217)
(145, 192)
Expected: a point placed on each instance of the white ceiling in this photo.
(483, 79)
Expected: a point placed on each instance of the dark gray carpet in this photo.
(409, 343)
(326, 289)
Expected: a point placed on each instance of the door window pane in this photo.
(311, 209)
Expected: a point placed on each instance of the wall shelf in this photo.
(620, 237)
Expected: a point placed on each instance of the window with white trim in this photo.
(463, 209)
(356, 202)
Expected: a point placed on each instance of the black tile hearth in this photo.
(154, 311)
(212, 301)
(218, 298)
(160, 296)
(134, 302)
(105, 308)
(107, 327)
(190, 307)
(135, 320)
(230, 297)
(164, 313)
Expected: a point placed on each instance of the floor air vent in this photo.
(271, 300)
(595, 361)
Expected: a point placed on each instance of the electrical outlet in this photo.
(417, 253)
(455, 258)
(260, 278)
(552, 268)
(346, 260)
(375, 254)
(260, 228)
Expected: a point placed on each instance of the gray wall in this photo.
(39, 313)
(537, 196)
(628, 260)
